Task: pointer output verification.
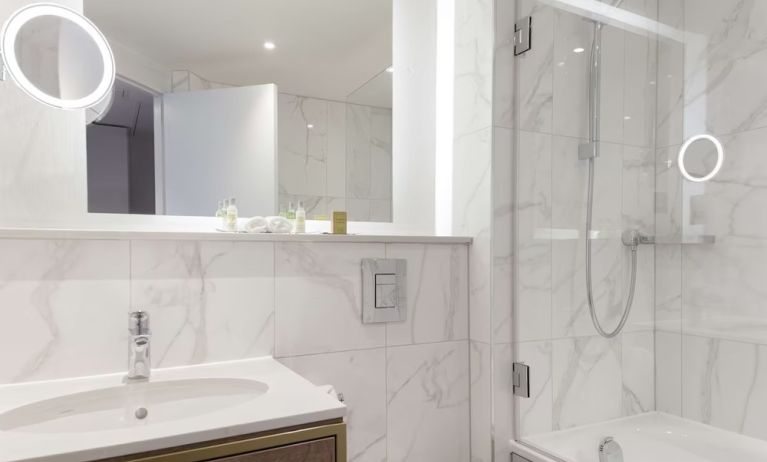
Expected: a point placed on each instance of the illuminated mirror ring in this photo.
(719, 158)
(8, 38)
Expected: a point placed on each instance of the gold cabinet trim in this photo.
(257, 443)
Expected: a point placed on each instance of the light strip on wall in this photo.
(443, 168)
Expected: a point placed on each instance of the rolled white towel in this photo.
(256, 225)
(279, 225)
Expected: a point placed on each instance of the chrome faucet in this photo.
(139, 360)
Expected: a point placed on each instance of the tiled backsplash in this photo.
(406, 384)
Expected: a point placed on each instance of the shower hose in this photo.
(589, 282)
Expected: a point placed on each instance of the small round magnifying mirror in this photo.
(700, 158)
(57, 56)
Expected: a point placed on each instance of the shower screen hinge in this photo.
(523, 35)
(521, 380)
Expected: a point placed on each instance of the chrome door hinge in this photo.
(523, 35)
(521, 380)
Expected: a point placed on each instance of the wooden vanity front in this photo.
(320, 442)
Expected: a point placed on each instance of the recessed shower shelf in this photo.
(573, 234)
(701, 239)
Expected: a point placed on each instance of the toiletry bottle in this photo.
(283, 211)
(224, 208)
(220, 209)
(231, 215)
(292, 215)
(300, 227)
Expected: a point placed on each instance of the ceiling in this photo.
(324, 48)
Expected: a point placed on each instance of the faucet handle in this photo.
(138, 323)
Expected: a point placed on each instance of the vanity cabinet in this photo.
(321, 442)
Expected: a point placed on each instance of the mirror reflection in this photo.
(280, 102)
(59, 57)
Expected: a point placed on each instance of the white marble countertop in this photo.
(290, 400)
(110, 234)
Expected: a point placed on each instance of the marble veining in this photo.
(335, 156)
(433, 380)
(209, 301)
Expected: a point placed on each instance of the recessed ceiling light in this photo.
(626, 117)
(390, 69)
(309, 126)
(578, 50)
(269, 45)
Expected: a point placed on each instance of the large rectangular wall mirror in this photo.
(271, 101)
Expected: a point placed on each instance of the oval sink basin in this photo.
(131, 405)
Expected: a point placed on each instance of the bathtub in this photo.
(651, 437)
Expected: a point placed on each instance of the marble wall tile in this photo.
(481, 409)
(638, 209)
(437, 294)
(535, 414)
(209, 300)
(755, 421)
(359, 151)
(534, 247)
(380, 153)
(504, 82)
(586, 378)
(668, 288)
(638, 372)
(640, 78)
(503, 399)
(723, 291)
(719, 382)
(336, 159)
(303, 150)
(503, 233)
(344, 158)
(668, 372)
(361, 377)
(472, 216)
(724, 66)
(473, 86)
(570, 75)
(730, 206)
(428, 402)
(52, 294)
(320, 285)
(536, 70)
(570, 313)
(670, 81)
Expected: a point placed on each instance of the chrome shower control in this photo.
(633, 238)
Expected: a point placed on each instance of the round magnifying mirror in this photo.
(700, 158)
(57, 56)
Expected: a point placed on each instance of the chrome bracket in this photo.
(523, 35)
(521, 380)
(588, 150)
